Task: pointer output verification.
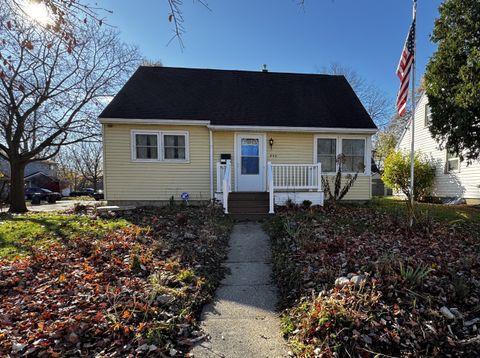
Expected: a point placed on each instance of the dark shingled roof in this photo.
(239, 98)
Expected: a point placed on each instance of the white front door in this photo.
(250, 162)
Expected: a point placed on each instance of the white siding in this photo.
(462, 183)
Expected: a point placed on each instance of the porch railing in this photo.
(220, 175)
(224, 182)
(293, 177)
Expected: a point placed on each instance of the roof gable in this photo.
(239, 98)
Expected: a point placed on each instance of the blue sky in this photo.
(366, 35)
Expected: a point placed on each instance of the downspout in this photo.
(211, 164)
(105, 193)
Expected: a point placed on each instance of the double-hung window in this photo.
(327, 154)
(453, 162)
(354, 152)
(146, 146)
(174, 146)
(160, 146)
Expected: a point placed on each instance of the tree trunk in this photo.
(17, 188)
(4, 183)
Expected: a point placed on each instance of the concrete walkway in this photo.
(242, 322)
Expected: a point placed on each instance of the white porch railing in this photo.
(293, 177)
(224, 182)
(220, 175)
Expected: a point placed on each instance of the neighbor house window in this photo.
(327, 153)
(160, 146)
(174, 146)
(354, 152)
(146, 146)
(453, 162)
(428, 115)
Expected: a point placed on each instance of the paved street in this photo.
(61, 205)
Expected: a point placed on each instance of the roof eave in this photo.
(208, 124)
(185, 122)
(296, 129)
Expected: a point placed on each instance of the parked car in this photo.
(40, 194)
(98, 195)
(83, 192)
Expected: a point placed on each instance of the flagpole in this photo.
(412, 153)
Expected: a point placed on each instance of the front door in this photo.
(250, 159)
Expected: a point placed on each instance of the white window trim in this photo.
(426, 117)
(134, 145)
(339, 138)
(365, 163)
(447, 161)
(160, 147)
(315, 149)
(187, 145)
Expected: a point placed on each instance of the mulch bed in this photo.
(349, 287)
(137, 291)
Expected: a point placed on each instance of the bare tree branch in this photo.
(49, 92)
(377, 104)
(66, 15)
(87, 160)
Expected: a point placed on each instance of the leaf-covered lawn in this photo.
(357, 281)
(440, 212)
(133, 291)
(20, 234)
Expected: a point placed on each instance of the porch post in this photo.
(219, 179)
(270, 188)
(319, 176)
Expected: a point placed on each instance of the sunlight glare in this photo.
(38, 12)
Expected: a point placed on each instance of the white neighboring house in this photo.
(453, 178)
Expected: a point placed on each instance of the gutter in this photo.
(295, 129)
(211, 164)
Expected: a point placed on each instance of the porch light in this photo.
(271, 143)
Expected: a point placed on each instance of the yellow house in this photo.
(215, 134)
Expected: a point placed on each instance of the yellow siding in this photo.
(361, 189)
(290, 148)
(223, 143)
(129, 180)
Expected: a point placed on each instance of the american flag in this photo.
(404, 68)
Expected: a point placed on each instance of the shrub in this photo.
(339, 191)
(396, 174)
(306, 204)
